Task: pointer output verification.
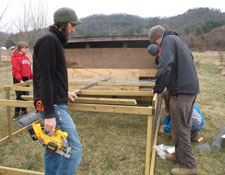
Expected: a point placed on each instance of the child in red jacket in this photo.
(21, 71)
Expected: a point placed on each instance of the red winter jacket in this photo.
(21, 66)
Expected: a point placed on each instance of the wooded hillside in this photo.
(194, 26)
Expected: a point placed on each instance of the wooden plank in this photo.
(109, 58)
(111, 108)
(106, 101)
(147, 72)
(148, 145)
(115, 88)
(29, 82)
(111, 83)
(152, 165)
(116, 93)
(139, 98)
(130, 74)
(27, 97)
(16, 171)
(16, 103)
(87, 107)
(96, 100)
(8, 111)
(18, 88)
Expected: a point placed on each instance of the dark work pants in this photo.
(19, 94)
(181, 108)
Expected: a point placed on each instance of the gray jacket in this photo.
(176, 69)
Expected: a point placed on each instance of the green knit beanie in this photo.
(66, 15)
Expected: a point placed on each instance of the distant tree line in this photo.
(192, 26)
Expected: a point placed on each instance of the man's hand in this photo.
(49, 125)
(71, 96)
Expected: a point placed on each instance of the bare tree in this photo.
(23, 22)
(39, 21)
(33, 21)
(3, 35)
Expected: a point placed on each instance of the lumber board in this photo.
(27, 97)
(29, 82)
(147, 72)
(112, 83)
(115, 88)
(115, 93)
(109, 58)
(16, 103)
(106, 101)
(129, 74)
(148, 145)
(87, 107)
(18, 88)
(96, 100)
(13, 171)
(8, 110)
(137, 98)
(152, 165)
(111, 108)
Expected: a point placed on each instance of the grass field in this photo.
(114, 144)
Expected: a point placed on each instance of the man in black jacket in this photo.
(176, 71)
(50, 84)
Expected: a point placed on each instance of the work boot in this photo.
(184, 171)
(16, 116)
(171, 157)
(193, 135)
(197, 139)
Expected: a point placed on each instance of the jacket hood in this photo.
(169, 32)
(17, 54)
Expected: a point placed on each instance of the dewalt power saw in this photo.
(57, 143)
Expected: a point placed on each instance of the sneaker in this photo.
(171, 157)
(184, 171)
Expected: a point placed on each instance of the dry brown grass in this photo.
(114, 144)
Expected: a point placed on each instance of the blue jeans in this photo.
(56, 164)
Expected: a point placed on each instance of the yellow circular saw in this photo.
(57, 143)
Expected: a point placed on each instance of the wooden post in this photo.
(8, 110)
(148, 145)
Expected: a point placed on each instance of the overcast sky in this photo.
(142, 8)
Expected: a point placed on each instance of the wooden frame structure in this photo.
(126, 102)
